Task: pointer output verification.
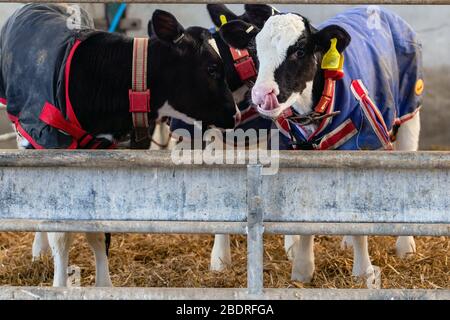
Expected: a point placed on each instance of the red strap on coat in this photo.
(53, 117)
(372, 113)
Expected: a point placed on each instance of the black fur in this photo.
(233, 30)
(216, 10)
(236, 35)
(189, 75)
(256, 14)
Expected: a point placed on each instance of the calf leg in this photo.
(347, 242)
(40, 242)
(221, 252)
(303, 263)
(60, 244)
(40, 245)
(405, 245)
(407, 140)
(97, 242)
(289, 241)
(361, 259)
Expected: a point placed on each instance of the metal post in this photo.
(255, 230)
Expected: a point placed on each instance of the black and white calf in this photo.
(254, 16)
(94, 79)
(370, 101)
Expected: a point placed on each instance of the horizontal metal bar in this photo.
(324, 187)
(224, 227)
(401, 2)
(92, 293)
(397, 229)
(127, 24)
(7, 225)
(163, 159)
(7, 136)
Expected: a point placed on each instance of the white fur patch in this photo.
(408, 135)
(213, 44)
(106, 136)
(272, 42)
(168, 111)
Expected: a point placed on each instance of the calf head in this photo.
(256, 14)
(191, 74)
(290, 51)
(224, 19)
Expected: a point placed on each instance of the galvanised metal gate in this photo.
(372, 193)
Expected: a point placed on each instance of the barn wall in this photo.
(431, 23)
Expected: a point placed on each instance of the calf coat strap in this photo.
(139, 94)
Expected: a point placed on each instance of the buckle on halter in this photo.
(311, 117)
(139, 100)
(246, 69)
(238, 54)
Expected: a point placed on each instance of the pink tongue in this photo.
(270, 102)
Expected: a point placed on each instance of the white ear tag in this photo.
(177, 40)
(213, 44)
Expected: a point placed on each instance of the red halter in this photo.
(244, 65)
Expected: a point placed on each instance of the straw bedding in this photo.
(183, 261)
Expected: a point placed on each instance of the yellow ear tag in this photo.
(332, 58)
(341, 62)
(223, 19)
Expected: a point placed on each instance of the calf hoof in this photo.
(371, 276)
(362, 270)
(405, 246)
(347, 243)
(303, 272)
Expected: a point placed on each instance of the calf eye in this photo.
(300, 53)
(213, 71)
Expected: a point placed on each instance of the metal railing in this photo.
(391, 193)
(374, 193)
(349, 2)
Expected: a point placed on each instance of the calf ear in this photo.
(217, 10)
(258, 14)
(166, 27)
(238, 33)
(322, 38)
(150, 31)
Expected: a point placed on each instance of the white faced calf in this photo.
(362, 102)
